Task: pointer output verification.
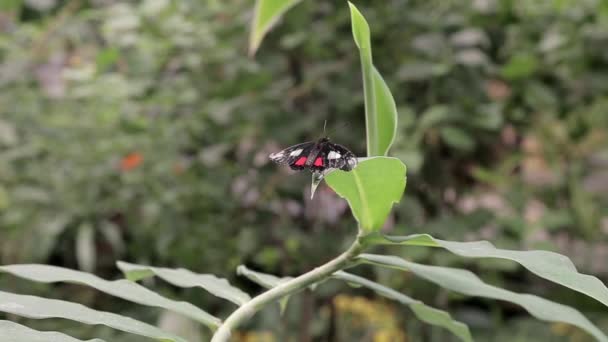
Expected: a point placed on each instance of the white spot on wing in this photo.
(275, 156)
(333, 155)
(296, 152)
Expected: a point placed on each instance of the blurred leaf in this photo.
(124, 289)
(111, 233)
(457, 138)
(85, 248)
(549, 265)
(106, 58)
(13, 332)
(4, 198)
(10, 5)
(432, 116)
(265, 280)
(371, 189)
(266, 14)
(174, 323)
(539, 96)
(185, 278)
(520, 66)
(422, 311)
(41, 308)
(465, 282)
(489, 117)
(417, 71)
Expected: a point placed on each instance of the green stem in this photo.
(248, 309)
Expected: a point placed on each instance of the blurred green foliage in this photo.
(139, 130)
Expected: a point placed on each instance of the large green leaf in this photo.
(266, 14)
(380, 108)
(184, 278)
(467, 283)
(14, 332)
(40, 308)
(549, 265)
(124, 289)
(424, 312)
(371, 189)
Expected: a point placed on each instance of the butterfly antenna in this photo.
(344, 125)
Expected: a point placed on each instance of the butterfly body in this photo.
(317, 156)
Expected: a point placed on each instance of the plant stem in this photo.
(247, 310)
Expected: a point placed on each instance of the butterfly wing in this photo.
(333, 156)
(295, 156)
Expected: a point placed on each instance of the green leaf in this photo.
(360, 28)
(520, 66)
(41, 308)
(10, 5)
(13, 332)
(549, 265)
(386, 115)
(265, 15)
(424, 312)
(85, 248)
(380, 108)
(263, 279)
(184, 278)
(124, 289)
(371, 189)
(457, 138)
(467, 283)
(361, 36)
(432, 116)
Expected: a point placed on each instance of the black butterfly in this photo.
(317, 156)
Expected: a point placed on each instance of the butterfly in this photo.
(317, 156)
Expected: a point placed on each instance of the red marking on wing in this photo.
(301, 161)
(319, 161)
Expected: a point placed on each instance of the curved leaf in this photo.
(467, 283)
(263, 279)
(124, 289)
(380, 108)
(13, 332)
(371, 189)
(185, 278)
(386, 114)
(549, 265)
(362, 40)
(360, 28)
(39, 308)
(424, 312)
(266, 14)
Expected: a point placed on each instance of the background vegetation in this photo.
(140, 131)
